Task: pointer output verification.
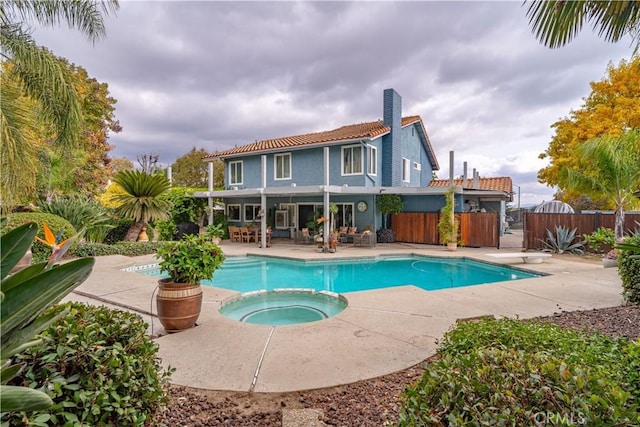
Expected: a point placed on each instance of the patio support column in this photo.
(263, 204)
(210, 198)
(325, 190)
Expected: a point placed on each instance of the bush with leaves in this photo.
(185, 207)
(600, 240)
(509, 372)
(120, 248)
(81, 212)
(100, 368)
(629, 270)
(60, 225)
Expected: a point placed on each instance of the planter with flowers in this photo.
(187, 262)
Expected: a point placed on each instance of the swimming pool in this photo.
(254, 273)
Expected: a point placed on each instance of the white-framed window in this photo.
(417, 166)
(406, 170)
(235, 172)
(251, 212)
(372, 160)
(352, 160)
(282, 166)
(233, 213)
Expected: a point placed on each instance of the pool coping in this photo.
(381, 331)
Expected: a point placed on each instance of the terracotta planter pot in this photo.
(178, 304)
(452, 246)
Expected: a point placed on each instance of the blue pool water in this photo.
(247, 274)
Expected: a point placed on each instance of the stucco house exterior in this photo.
(289, 182)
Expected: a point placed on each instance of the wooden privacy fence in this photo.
(477, 229)
(535, 225)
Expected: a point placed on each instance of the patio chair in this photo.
(259, 238)
(307, 238)
(234, 233)
(245, 234)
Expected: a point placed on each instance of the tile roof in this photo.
(362, 130)
(502, 183)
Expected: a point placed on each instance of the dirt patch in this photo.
(364, 403)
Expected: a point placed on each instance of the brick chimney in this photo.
(391, 154)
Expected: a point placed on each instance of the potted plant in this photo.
(215, 232)
(187, 262)
(448, 224)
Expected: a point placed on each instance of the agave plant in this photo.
(25, 296)
(562, 241)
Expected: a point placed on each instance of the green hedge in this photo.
(99, 367)
(41, 252)
(121, 248)
(629, 270)
(509, 372)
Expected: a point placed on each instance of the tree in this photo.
(119, 164)
(149, 163)
(141, 200)
(389, 204)
(612, 107)
(190, 171)
(609, 167)
(34, 72)
(557, 22)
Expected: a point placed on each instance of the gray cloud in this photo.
(219, 74)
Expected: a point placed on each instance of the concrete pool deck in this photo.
(381, 331)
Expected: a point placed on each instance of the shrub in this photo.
(184, 207)
(600, 240)
(99, 367)
(81, 212)
(120, 248)
(509, 372)
(385, 235)
(167, 229)
(629, 270)
(41, 252)
(119, 231)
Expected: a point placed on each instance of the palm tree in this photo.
(35, 72)
(609, 167)
(557, 22)
(140, 201)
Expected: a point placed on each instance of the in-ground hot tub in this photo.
(283, 306)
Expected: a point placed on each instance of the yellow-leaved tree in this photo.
(612, 108)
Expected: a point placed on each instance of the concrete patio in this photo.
(380, 332)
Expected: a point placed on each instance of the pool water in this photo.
(253, 273)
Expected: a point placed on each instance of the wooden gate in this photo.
(477, 229)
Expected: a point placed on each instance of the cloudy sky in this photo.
(214, 75)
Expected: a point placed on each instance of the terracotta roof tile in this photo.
(498, 184)
(344, 133)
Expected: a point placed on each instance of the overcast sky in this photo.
(218, 74)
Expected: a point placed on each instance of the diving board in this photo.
(527, 257)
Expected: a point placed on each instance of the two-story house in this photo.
(291, 181)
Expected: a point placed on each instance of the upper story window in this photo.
(372, 160)
(406, 170)
(282, 166)
(235, 172)
(352, 160)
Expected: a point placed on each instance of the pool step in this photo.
(242, 262)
